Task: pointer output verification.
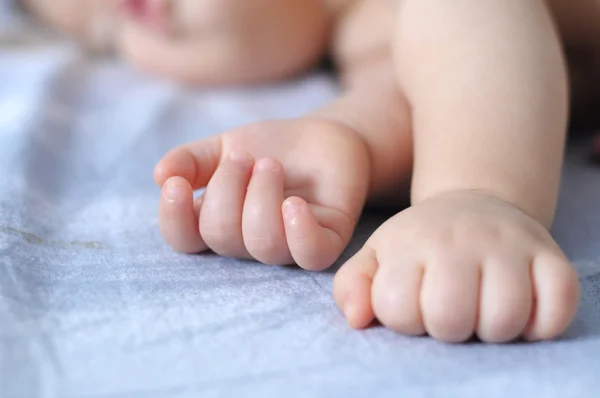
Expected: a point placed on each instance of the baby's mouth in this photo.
(152, 14)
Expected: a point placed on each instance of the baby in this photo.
(463, 103)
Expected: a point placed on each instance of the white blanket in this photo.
(93, 304)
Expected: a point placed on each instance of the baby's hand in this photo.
(461, 264)
(279, 192)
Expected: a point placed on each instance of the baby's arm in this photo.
(487, 83)
(372, 104)
(487, 88)
(325, 156)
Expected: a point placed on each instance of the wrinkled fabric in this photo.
(93, 304)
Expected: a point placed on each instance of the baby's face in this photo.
(203, 41)
(165, 35)
(102, 24)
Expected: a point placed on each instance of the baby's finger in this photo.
(450, 297)
(222, 205)
(556, 293)
(262, 224)
(396, 292)
(196, 162)
(177, 218)
(352, 288)
(313, 247)
(505, 299)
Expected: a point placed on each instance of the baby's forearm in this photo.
(373, 107)
(371, 104)
(487, 84)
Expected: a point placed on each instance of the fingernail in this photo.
(292, 209)
(241, 158)
(172, 192)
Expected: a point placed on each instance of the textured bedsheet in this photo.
(93, 304)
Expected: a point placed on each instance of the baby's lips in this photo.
(151, 13)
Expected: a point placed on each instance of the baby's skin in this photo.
(464, 102)
(206, 42)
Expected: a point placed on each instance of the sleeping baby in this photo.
(462, 104)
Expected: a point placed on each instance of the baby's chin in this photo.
(168, 57)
